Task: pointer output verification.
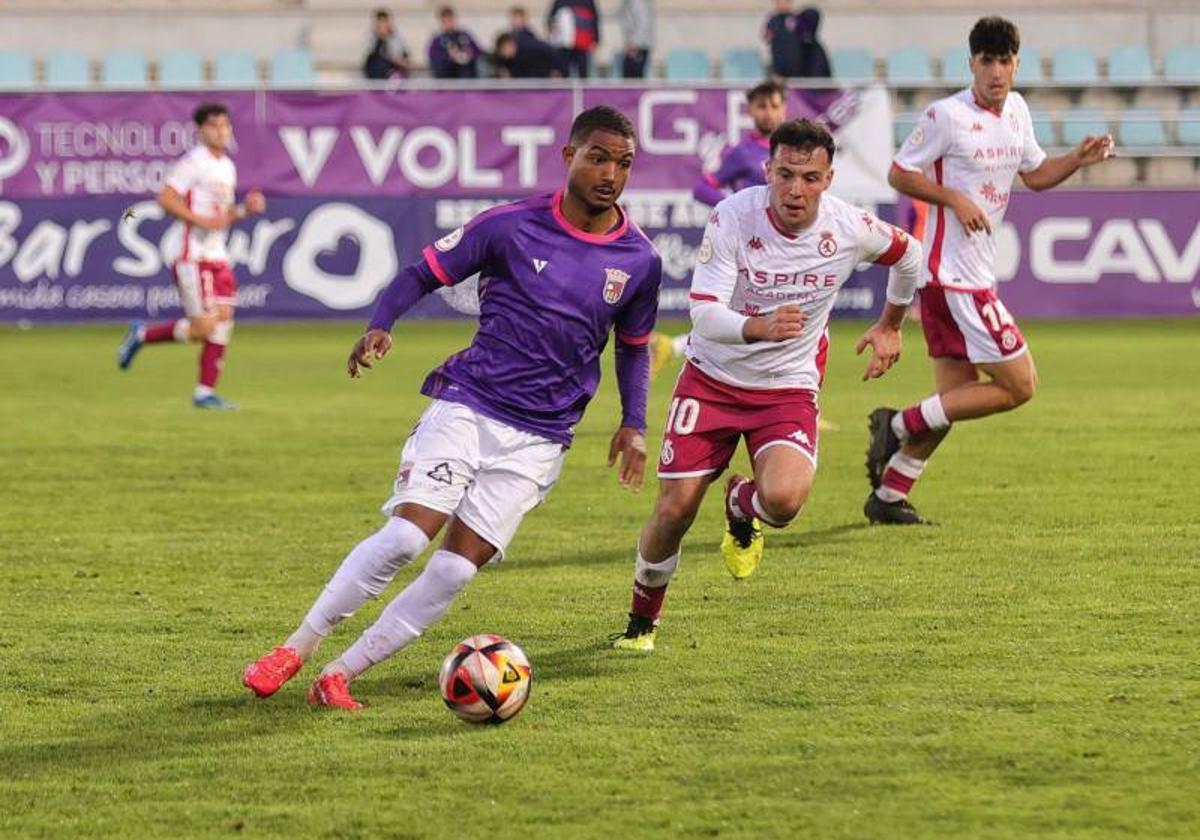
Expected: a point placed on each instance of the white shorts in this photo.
(484, 473)
(973, 325)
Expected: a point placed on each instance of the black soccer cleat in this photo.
(892, 513)
(881, 445)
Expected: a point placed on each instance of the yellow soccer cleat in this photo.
(638, 636)
(742, 545)
(662, 350)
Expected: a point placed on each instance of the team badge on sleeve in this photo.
(448, 241)
(614, 284)
(706, 251)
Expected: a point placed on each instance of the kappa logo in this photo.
(441, 474)
(755, 243)
(976, 126)
(828, 246)
(538, 265)
(715, 219)
(615, 281)
(801, 437)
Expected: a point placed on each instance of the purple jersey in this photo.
(743, 165)
(549, 294)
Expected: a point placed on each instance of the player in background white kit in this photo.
(767, 272)
(963, 156)
(200, 193)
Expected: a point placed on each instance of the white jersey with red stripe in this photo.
(961, 144)
(207, 183)
(750, 264)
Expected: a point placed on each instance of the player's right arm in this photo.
(713, 284)
(712, 188)
(928, 143)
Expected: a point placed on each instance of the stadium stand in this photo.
(66, 69)
(292, 67)
(687, 65)
(16, 70)
(742, 64)
(235, 67)
(124, 68)
(181, 68)
(852, 65)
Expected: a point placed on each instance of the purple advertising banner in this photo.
(358, 182)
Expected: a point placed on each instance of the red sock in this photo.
(160, 332)
(914, 420)
(210, 363)
(745, 496)
(648, 600)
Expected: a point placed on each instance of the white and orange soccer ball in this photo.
(486, 679)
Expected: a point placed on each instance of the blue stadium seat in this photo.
(902, 126)
(1141, 129)
(124, 68)
(616, 65)
(1031, 66)
(742, 64)
(909, 65)
(180, 68)
(1130, 64)
(1075, 65)
(956, 66)
(235, 67)
(1182, 64)
(852, 64)
(1043, 129)
(1187, 129)
(16, 70)
(67, 69)
(1080, 122)
(292, 67)
(687, 65)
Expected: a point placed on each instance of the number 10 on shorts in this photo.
(684, 414)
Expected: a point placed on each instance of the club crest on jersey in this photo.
(1008, 340)
(827, 247)
(614, 284)
(448, 241)
(667, 455)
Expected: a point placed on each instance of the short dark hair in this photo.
(518, 10)
(771, 87)
(600, 118)
(445, 10)
(802, 134)
(206, 110)
(994, 36)
(382, 14)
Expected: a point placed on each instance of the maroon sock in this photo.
(160, 332)
(648, 600)
(210, 363)
(914, 420)
(745, 493)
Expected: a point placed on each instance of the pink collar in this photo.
(983, 107)
(778, 227)
(596, 238)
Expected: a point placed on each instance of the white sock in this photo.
(654, 575)
(182, 330)
(762, 514)
(934, 412)
(364, 574)
(894, 489)
(202, 391)
(410, 613)
(679, 346)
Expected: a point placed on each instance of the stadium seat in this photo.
(852, 64)
(956, 66)
(1031, 66)
(1130, 64)
(1043, 129)
(292, 67)
(909, 66)
(616, 65)
(902, 126)
(235, 67)
(124, 68)
(1075, 65)
(67, 69)
(1187, 128)
(1141, 129)
(1080, 122)
(687, 65)
(16, 70)
(742, 64)
(181, 68)
(1182, 64)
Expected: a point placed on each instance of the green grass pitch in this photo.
(1030, 668)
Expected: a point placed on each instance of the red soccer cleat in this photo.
(332, 690)
(268, 674)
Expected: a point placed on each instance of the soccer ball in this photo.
(485, 679)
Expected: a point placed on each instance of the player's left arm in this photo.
(1040, 172)
(632, 359)
(883, 244)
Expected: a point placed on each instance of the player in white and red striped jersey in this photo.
(200, 193)
(768, 270)
(962, 157)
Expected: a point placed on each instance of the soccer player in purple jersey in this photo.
(558, 273)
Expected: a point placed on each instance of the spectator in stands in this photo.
(814, 61)
(575, 29)
(533, 59)
(637, 27)
(389, 54)
(518, 26)
(782, 35)
(453, 53)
